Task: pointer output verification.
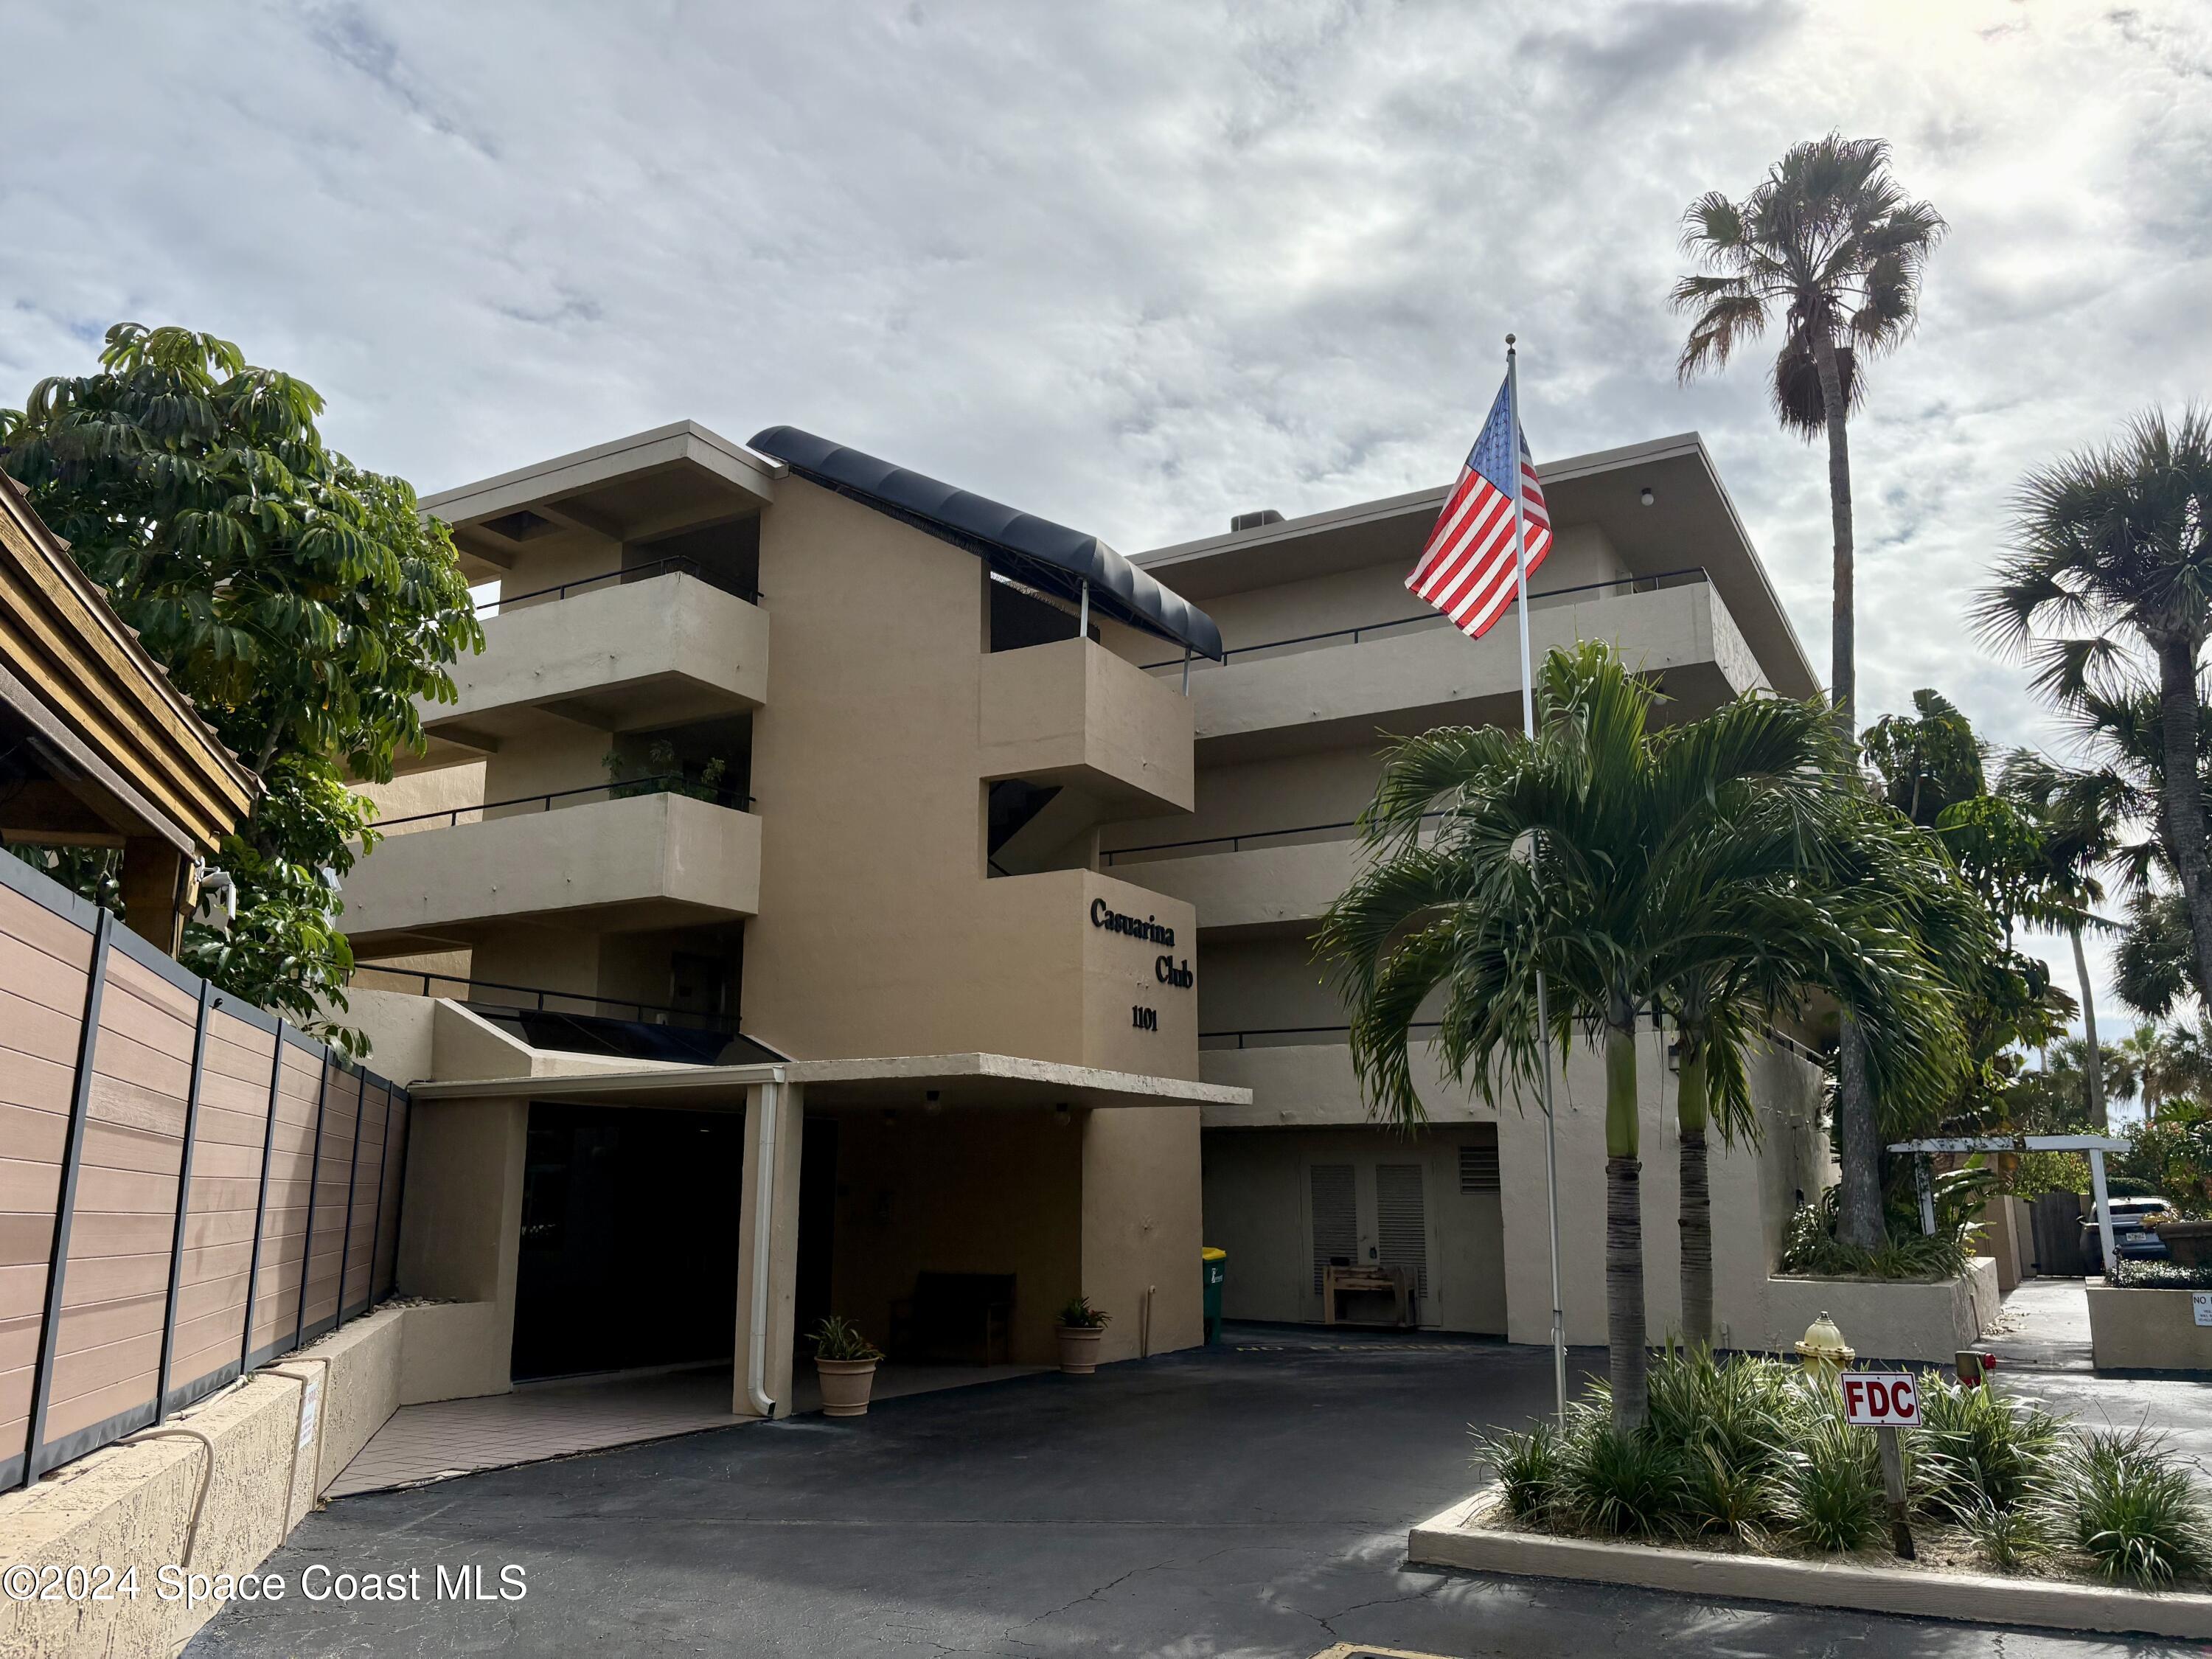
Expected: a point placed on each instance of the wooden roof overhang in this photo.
(127, 753)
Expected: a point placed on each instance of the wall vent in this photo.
(1478, 1168)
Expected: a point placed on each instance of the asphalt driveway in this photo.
(1251, 1499)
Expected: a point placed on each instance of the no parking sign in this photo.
(1881, 1400)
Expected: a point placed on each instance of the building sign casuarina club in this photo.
(1165, 969)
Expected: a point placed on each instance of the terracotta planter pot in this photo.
(1078, 1349)
(2189, 1242)
(845, 1386)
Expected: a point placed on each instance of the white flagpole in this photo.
(1543, 1013)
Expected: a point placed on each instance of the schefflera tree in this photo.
(303, 603)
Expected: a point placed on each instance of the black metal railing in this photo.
(669, 783)
(1245, 1039)
(1689, 575)
(1241, 1039)
(1234, 843)
(629, 572)
(536, 999)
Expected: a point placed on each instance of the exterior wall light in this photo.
(1646, 496)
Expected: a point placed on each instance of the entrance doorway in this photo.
(630, 1239)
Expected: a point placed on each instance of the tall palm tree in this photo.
(1621, 864)
(2113, 556)
(1830, 240)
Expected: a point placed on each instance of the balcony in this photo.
(1285, 878)
(1416, 670)
(1074, 715)
(609, 651)
(649, 861)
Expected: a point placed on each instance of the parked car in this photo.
(2130, 1237)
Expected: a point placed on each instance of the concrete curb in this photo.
(1457, 1537)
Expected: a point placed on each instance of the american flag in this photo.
(1467, 570)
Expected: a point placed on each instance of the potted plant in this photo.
(846, 1362)
(1081, 1325)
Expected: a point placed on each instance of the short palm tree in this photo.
(1874, 883)
(2113, 556)
(1622, 863)
(1830, 240)
(2078, 836)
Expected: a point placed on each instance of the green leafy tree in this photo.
(302, 602)
(1625, 865)
(2112, 561)
(1926, 760)
(1830, 242)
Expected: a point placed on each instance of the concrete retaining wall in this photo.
(2146, 1330)
(1887, 1319)
(132, 1504)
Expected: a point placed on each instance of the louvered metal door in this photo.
(1333, 1189)
(1402, 1221)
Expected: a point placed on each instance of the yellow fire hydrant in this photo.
(1824, 1350)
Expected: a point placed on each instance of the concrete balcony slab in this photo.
(659, 860)
(665, 651)
(1338, 690)
(1263, 886)
(1073, 714)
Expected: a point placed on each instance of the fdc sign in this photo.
(1881, 1400)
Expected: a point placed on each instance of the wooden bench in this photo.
(966, 1312)
(1395, 1283)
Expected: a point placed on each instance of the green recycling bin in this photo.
(1215, 1265)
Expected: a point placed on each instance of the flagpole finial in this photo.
(1509, 343)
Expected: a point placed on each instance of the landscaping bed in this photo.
(1924, 1320)
(1745, 1480)
(1475, 1536)
(2144, 1318)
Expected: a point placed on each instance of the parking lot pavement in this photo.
(1246, 1500)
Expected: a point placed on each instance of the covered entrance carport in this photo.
(847, 1182)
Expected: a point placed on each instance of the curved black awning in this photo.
(1018, 544)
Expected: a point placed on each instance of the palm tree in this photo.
(1633, 869)
(2078, 837)
(2113, 555)
(1830, 240)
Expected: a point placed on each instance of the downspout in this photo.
(771, 1107)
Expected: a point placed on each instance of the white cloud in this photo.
(1132, 267)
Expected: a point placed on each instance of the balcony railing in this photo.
(1543, 599)
(1235, 843)
(671, 783)
(631, 572)
(536, 999)
(1283, 1037)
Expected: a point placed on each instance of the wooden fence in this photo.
(188, 1186)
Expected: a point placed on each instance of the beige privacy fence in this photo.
(188, 1186)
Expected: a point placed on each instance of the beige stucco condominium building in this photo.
(942, 882)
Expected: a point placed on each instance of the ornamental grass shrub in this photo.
(1751, 1453)
(2138, 1514)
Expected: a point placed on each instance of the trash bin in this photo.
(1215, 1265)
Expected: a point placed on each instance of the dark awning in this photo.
(1031, 549)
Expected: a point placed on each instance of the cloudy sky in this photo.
(1133, 266)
